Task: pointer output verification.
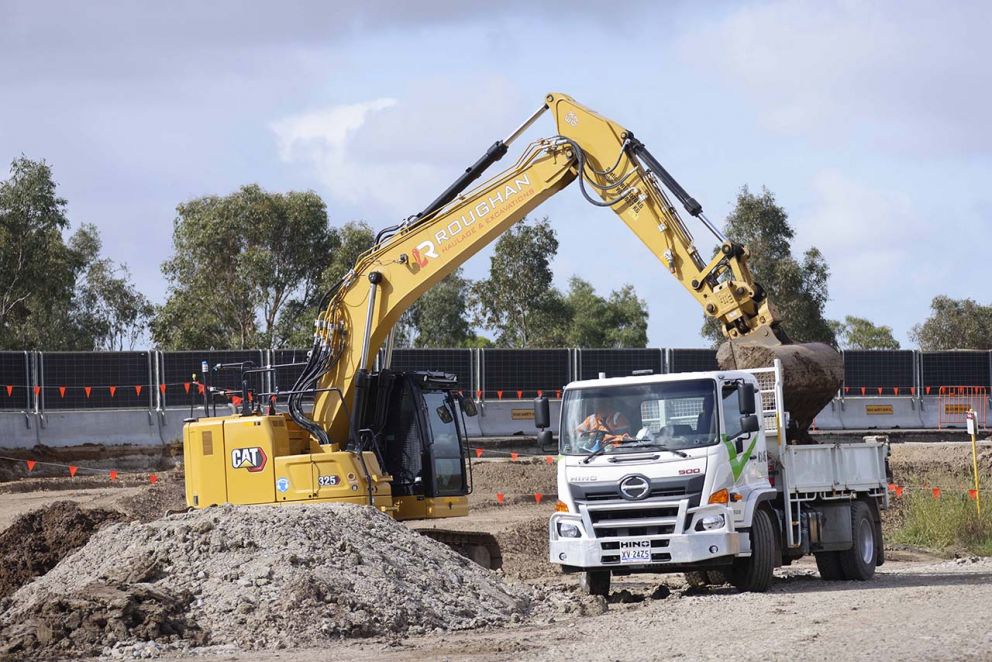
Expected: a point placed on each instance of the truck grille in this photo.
(649, 519)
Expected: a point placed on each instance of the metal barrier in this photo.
(954, 403)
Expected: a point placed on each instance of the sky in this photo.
(869, 121)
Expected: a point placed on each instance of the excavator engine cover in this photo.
(812, 373)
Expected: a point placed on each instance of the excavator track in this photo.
(476, 546)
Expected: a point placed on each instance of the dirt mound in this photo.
(517, 480)
(38, 540)
(525, 549)
(256, 578)
(168, 495)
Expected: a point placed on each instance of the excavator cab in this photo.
(415, 423)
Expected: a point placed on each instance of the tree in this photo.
(954, 324)
(859, 333)
(517, 301)
(38, 268)
(440, 317)
(617, 322)
(797, 289)
(241, 263)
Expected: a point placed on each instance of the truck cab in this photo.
(685, 473)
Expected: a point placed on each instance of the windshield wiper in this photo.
(663, 447)
(596, 453)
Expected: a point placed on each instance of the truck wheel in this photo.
(859, 561)
(828, 563)
(754, 573)
(595, 582)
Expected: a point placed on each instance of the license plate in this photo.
(635, 551)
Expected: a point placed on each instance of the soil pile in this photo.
(256, 578)
(168, 495)
(38, 540)
(524, 547)
(516, 480)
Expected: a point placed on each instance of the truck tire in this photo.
(828, 563)
(754, 573)
(859, 561)
(595, 582)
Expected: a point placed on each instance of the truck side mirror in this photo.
(542, 413)
(745, 398)
(468, 406)
(546, 442)
(749, 423)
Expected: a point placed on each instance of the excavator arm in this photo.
(614, 170)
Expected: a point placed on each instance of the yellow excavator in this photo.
(395, 440)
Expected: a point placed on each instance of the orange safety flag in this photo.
(62, 391)
(10, 390)
(936, 493)
(161, 388)
(153, 478)
(520, 394)
(186, 386)
(37, 390)
(31, 464)
(73, 470)
(558, 395)
(478, 394)
(499, 498)
(548, 459)
(113, 475)
(478, 452)
(540, 393)
(499, 394)
(973, 494)
(863, 389)
(113, 389)
(236, 401)
(514, 456)
(898, 490)
(137, 390)
(537, 497)
(880, 390)
(892, 487)
(928, 390)
(200, 388)
(87, 390)
(912, 390)
(895, 390)
(847, 389)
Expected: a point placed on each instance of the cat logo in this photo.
(252, 459)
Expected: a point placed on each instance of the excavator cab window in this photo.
(448, 467)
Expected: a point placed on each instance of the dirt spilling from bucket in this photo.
(257, 578)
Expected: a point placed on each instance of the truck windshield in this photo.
(639, 417)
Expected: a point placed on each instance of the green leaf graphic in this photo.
(738, 462)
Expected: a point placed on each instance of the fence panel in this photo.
(691, 360)
(893, 371)
(283, 379)
(617, 362)
(15, 387)
(96, 380)
(177, 370)
(455, 361)
(525, 370)
(954, 368)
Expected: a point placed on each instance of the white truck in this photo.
(691, 472)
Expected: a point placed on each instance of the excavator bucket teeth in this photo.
(476, 546)
(812, 373)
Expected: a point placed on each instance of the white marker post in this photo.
(973, 431)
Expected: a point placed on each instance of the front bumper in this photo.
(682, 546)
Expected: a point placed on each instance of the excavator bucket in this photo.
(811, 373)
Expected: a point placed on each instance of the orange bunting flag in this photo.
(548, 459)
(892, 487)
(863, 389)
(186, 386)
(880, 390)
(478, 452)
(537, 497)
(113, 390)
(200, 388)
(936, 493)
(161, 388)
(557, 395)
(113, 475)
(499, 394)
(898, 490)
(540, 392)
(10, 390)
(973, 494)
(137, 390)
(153, 478)
(520, 394)
(236, 401)
(514, 456)
(928, 390)
(499, 498)
(62, 391)
(478, 394)
(87, 390)
(73, 470)
(31, 464)
(895, 390)
(37, 390)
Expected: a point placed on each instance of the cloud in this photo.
(904, 76)
(393, 156)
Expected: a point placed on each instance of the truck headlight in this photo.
(711, 522)
(569, 530)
